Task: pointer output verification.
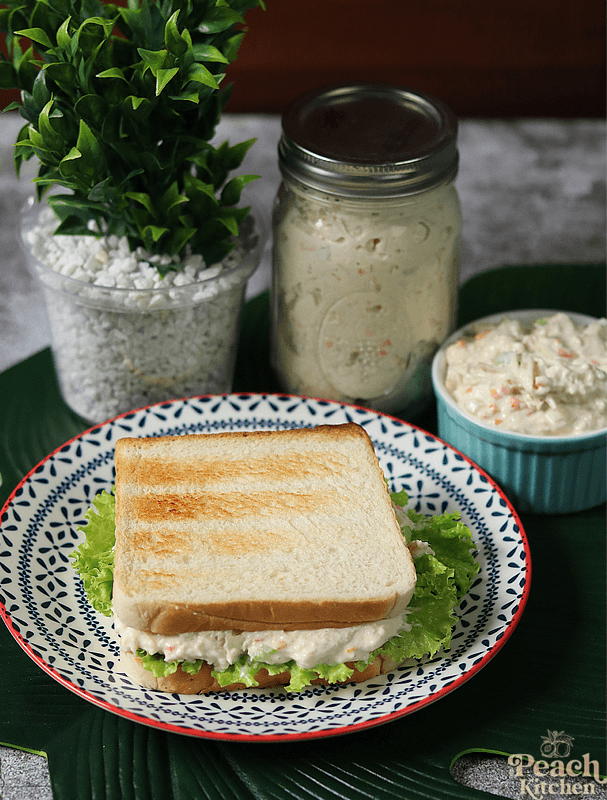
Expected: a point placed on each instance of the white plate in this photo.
(45, 608)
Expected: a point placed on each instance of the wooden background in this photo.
(485, 58)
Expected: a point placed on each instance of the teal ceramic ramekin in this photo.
(539, 474)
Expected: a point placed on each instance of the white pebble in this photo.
(122, 266)
(193, 263)
(80, 275)
(212, 272)
(143, 283)
(105, 279)
(182, 279)
(92, 264)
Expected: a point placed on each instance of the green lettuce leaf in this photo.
(241, 671)
(93, 559)
(245, 669)
(156, 664)
(431, 614)
(442, 579)
(452, 544)
(400, 498)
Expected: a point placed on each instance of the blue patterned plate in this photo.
(44, 606)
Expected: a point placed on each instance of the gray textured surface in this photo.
(23, 776)
(533, 191)
(494, 775)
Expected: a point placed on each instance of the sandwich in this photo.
(267, 558)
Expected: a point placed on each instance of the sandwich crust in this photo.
(248, 531)
(253, 616)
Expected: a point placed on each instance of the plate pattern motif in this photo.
(45, 608)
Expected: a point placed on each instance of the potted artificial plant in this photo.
(142, 246)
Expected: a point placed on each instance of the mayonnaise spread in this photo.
(306, 648)
(548, 378)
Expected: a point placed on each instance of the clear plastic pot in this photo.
(116, 349)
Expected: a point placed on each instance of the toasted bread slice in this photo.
(256, 530)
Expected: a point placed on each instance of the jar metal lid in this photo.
(369, 140)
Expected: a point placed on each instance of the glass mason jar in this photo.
(367, 230)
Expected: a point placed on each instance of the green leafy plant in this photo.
(120, 107)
